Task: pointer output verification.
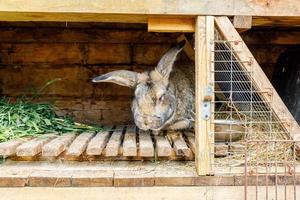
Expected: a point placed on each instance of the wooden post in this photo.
(204, 36)
(242, 23)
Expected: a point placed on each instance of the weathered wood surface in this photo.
(120, 143)
(132, 173)
(79, 145)
(242, 23)
(98, 143)
(163, 147)
(9, 148)
(146, 148)
(129, 143)
(97, 10)
(263, 37)
(112, 147)
(34, 146)
(58, 145)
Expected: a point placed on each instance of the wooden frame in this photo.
(36, 9)
(204, 36)
(143, 11)
(261, 81)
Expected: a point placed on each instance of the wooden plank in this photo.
(34, 146)
(163, 147)
(129, 144)
(171, 24)
(65, 53)
(174, 177)
(150, 193)
(98, 143)
(261, 82)
(92, 178)
(50, 178)
(203, 37)
(221, 149)
(191, 140)
(276, 21)
(112, 147)
(9, 148)
(58, 145)
(14, 178)
(188, 48)
(81, 35)
(146, 148)
(273, 37)
(69, 10)
(133, 179)
(179, 144)
(79, 145)
(242, 23)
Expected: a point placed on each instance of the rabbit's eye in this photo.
(162, 97)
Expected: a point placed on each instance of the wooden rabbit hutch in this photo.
(238, 48)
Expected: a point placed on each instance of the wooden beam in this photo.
(71, 17)
(204, 36)
(242, 23)
(35, 9)
(188, 48)
(276, 21)
(272, 37)
(171, 24)
(158, 192)
(260, 79)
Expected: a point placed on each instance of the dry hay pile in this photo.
(264, 143)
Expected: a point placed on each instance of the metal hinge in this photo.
(206, 106)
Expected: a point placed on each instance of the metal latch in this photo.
(208, 95)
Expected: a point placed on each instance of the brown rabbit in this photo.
(163, 99)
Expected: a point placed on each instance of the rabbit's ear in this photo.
(165, 64)
(120, 77)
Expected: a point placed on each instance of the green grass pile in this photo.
(24, 118)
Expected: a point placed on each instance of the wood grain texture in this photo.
(113, 145)
(9, 148)
(92, 178)
(190, 140)
(82, 10)
(163, 147)
(188, 47)
(50, 178)
(129, 143)
(242, 23)
(171, 24)
(146, 148)
(203, 36)
(133, 179)
(79, 145)
(271, 38)
(179, 145)
(98, 143)
(58, 145)
(82, 35)
(34, 146)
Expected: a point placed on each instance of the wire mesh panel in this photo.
(249, 138)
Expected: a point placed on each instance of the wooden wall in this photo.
(33, 54)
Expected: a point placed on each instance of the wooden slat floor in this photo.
(112, 143)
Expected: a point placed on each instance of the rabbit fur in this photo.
(164, 97)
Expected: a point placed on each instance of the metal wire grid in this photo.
(265, 146)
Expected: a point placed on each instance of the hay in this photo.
(263, 142)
